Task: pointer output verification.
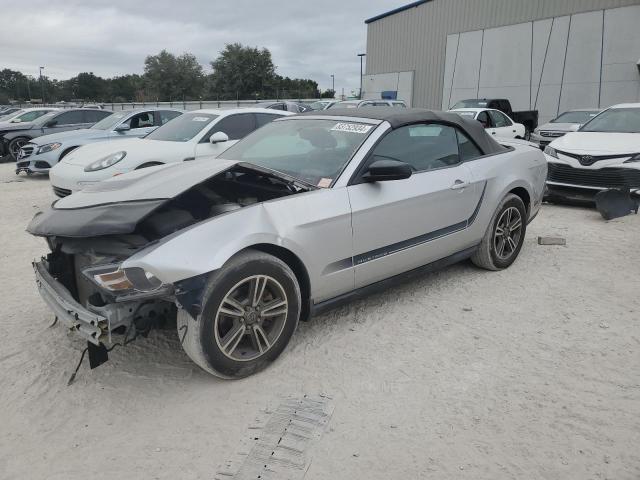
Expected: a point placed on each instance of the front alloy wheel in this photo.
(250, 309)
(15, 146)
(251, 318)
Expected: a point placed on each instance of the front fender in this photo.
(19, 134)
(206, 246)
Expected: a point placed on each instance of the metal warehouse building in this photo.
(546, 55)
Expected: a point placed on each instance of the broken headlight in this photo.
(105, 162)
(128, 280)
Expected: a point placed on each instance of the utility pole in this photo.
(361, 55)
(42, 84)
(29, 86)
(333, 84)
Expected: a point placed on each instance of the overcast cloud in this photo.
(307, 39)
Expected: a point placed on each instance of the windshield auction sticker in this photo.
(325, 182)
(351, 127)
(200, 119)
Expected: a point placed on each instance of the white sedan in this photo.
(495, 122)
(192, 135)
(603, 154)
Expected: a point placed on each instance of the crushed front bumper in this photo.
(91, 326)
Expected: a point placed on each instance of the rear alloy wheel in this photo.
(15, 145)
(503, 239)
(251, 309)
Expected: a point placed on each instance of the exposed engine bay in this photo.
(86, 260)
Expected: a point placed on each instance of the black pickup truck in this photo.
(529, 118)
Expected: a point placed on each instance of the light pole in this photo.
(361, 55)
(333, 84)
(42, 84)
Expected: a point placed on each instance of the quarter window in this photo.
(423, 146)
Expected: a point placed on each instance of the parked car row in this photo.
(284, 217)
(193, 135)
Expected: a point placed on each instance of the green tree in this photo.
(169, 77)
(242, 72)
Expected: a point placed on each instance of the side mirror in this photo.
(123, 127)
(219, 137)
(50, 124)
(385, 170)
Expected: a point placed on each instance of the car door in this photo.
(236, 126)
(502, 126)
(402, 224)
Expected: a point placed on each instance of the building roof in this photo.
(396, 10)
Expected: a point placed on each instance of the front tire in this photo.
(504, 237)
(251, 308)
(15, 145)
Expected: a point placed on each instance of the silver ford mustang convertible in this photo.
(303, 214)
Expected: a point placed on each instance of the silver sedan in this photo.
(301, 215)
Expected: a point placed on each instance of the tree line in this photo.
(239, 72)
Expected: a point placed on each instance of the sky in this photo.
(307, 38)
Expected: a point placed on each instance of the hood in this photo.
(559, 127)
(145, 184)
(71, 135)
(142, 150)
(116, 205)
(160, 197)
(598, 143)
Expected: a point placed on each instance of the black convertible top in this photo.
(399, 117)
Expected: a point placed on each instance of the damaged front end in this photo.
(91, 234)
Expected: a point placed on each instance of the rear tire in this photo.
(504, 237)
(239, 331)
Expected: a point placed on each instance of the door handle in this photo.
(188, 159)
(459, 185)
(493, 133)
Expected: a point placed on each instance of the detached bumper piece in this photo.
(91, 326)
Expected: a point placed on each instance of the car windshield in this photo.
(111, 121)
(30, 116)
(582, 116)
(312, 150)
(473, 103)
(619, 120)
(182, 128)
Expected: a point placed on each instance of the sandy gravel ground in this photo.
(529, 373)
